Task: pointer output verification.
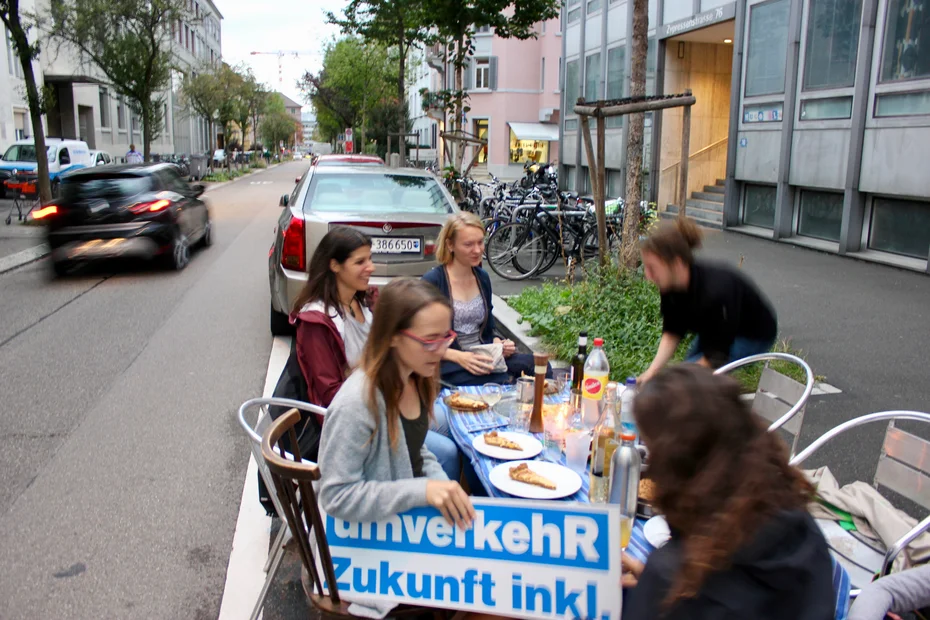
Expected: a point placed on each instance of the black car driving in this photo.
(130, 210)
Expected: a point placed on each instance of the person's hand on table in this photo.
(509, 346)
(452, 501)
(475, 363)
(632, 569)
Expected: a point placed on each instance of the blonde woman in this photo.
(459, 276)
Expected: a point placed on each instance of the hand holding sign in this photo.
(452, 501)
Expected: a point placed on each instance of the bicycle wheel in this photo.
(515, 251)
(589, 248)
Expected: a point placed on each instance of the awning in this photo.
(535, 131)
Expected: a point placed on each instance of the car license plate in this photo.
(98, 248)
(395, 245)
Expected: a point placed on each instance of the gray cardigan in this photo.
(363, 479)
(898, 593)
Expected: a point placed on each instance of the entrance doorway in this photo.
(481, 132)
(86, 130)
(702, 61)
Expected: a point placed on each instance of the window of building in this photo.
(759, 206)
(592, 77)
(574, 14)
(572, 86)
(594, 6)
(902, 104)
(20, 128)
(121, 115)
(194, 45)
(482, 73)
(522, 151)
(768, 41)
(907, 31)
(614, 182)
(10, 56)
(615, 73)
(483, 30)
(187, 37)
(832, 43)
(571, 124)
(821, 215)
(824, 109)
(542, 73)
(180, 33)
(570, 177)
(900, 227)
(104, 107)
(763, 113)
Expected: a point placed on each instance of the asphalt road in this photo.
(122, 464)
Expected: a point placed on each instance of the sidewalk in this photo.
(19, 244)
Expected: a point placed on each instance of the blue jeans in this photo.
(741, 347)
(442, 437)
(446, 452)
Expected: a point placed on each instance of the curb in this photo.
(250, 174)
(30, 255)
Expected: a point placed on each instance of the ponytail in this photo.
(674, 240)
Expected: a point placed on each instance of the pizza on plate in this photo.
(523, 473)
(493, 439)
(465, 403)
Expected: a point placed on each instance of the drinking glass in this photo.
(560, 377)
(626, 531)
(491, 394)
(577, 449)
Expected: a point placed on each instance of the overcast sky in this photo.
(270, 26)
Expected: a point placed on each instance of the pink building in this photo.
(513, 89)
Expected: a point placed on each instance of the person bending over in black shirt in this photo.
(716, 302)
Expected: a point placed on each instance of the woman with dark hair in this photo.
(743, 545)
(333, 318)
(718, 303)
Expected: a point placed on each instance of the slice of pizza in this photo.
(464, 403)
(493, 439)
(523, 473)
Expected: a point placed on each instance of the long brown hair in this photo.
(338, 244)
(674, 239)
(718, 474)
(398, 304)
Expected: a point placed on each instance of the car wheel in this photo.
(207, 239)
(54, 189)
(180, 254)
(60, 268)
(280, 325)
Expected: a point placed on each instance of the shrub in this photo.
(260, 164)
(216, 177)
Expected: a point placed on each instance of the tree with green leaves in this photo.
(277, 125)
(401, 24)
(18, 26)
(455, 21)
(202, 93)
(130, 42)
(252, 95)
(634, 152)
(230, 84)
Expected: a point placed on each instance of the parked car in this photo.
(63, 156)
(100, 158)
(345, 160)
(126, 210)
(401, 210)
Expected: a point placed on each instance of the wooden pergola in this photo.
(464, 138)
(621, 107)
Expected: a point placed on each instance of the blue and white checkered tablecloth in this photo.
(465, 427)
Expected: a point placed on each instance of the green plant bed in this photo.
(217, 177)
(621, 307)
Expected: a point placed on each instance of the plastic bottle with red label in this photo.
(596, 372)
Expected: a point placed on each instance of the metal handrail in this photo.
(763, 357)
(696, 153)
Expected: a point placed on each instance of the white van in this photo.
(63, 156)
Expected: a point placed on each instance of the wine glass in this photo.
(560, 377)
(491, 394)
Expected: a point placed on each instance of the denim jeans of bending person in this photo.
(741, 347)
(446, 452)
(440, 428)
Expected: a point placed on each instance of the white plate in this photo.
(395, 245)
(656, 531)
(531, 446)
(566, 481)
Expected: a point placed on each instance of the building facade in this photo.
(423, 78)
(513, 90)
(812, 121)
(86, 108)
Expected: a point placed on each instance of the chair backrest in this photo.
(293, 483)
(779, 399)
(904, 465)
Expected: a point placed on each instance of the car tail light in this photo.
(429, 248)
(45, 212)
(294, 248)
(150, 207)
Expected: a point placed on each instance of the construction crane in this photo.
(281, 54)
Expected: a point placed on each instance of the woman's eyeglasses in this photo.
(431, 346)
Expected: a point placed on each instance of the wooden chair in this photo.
(779, 400)
(903, 467)
(262, 423)
(293, 483)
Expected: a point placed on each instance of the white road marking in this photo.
(244, 574)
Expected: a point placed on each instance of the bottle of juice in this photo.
(596, 371)
(604, 442)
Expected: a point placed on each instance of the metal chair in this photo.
(255, 443)
(780, 400)
(903, 467)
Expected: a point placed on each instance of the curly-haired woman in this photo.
(743, 545)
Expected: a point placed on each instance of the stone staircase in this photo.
(705, 208)
(479, 172)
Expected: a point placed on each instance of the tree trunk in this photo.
(401, 97)
(146, 131)
(634, 153)
(461, 54)
(22, 48)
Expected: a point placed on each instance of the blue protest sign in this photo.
(520, 559)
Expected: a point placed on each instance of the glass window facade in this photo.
(592, 77)
(825, 109)
(900, 227)
(768, 41)
(832, 43)
(572, 90)
(821, 215)
(902, 104)
(615, 68)
(906, 53)
(759, 206)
